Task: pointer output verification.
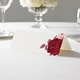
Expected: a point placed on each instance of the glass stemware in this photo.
(78, 16)
(4, 5)
(38, 12)
(76, 36)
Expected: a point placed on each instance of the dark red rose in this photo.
(54, 46)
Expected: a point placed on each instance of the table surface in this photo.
(68, 68)
(66, 27)
(59, 27)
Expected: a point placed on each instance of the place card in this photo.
(34, 41)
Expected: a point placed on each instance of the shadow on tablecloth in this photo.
(6, 38)
(71, 54)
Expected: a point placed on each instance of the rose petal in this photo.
(46, 48)
(43, 45)
(60, 36)
(48, 40)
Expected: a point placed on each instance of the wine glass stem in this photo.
(3, 18)
(38, 19)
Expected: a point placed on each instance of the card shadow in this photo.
(6, 38)
(72, 54)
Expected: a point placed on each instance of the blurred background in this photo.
(66, 11)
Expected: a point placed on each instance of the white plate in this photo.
(76, 37)
(10, 34)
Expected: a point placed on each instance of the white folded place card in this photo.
(32, 40)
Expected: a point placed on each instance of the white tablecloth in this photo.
(18, 65)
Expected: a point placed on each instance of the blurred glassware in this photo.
(38, 12)
(4, 5)
(78, 16)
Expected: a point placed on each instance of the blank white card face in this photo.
(31, 40)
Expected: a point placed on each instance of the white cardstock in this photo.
(31, 40)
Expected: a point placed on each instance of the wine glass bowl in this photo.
(4, 5)
(36, 11)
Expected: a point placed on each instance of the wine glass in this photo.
(4, 5)
(78, 16)
(76, 36)
(38, 12)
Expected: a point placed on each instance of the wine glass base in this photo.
(5, 33)
(39, 26)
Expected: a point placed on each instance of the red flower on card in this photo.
(54, 45)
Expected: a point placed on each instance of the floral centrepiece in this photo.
(38, 3)
(38, 8)
(53, 46)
